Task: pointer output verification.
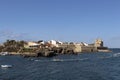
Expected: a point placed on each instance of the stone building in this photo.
(98, 43)
(97, 46)
(79, 48)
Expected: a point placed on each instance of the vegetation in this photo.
(12, 46)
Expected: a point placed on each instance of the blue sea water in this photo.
(87, 66)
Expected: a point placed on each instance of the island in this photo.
(49, 48)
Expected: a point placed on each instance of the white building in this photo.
(54, 43)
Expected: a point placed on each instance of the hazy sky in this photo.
(64, 20)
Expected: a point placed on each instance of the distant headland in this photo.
(49, 48)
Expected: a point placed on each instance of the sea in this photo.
(84, 66)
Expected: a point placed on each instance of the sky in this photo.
(64, 20)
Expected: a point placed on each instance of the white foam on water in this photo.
(37, 60)
(60, 60)
(76, 59)
(116, 55)
(68, 60)
(111, 56)
(106, 57)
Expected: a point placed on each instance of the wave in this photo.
(54, 71)
(75, 59)
(60, 60)
(80, 59)
(111, 56)
(116, 55)
(106, 57)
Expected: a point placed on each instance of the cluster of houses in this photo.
(97, 46)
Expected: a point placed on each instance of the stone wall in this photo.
(88, 49)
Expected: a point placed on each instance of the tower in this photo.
(98, 43)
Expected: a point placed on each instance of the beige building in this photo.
(31, 45)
